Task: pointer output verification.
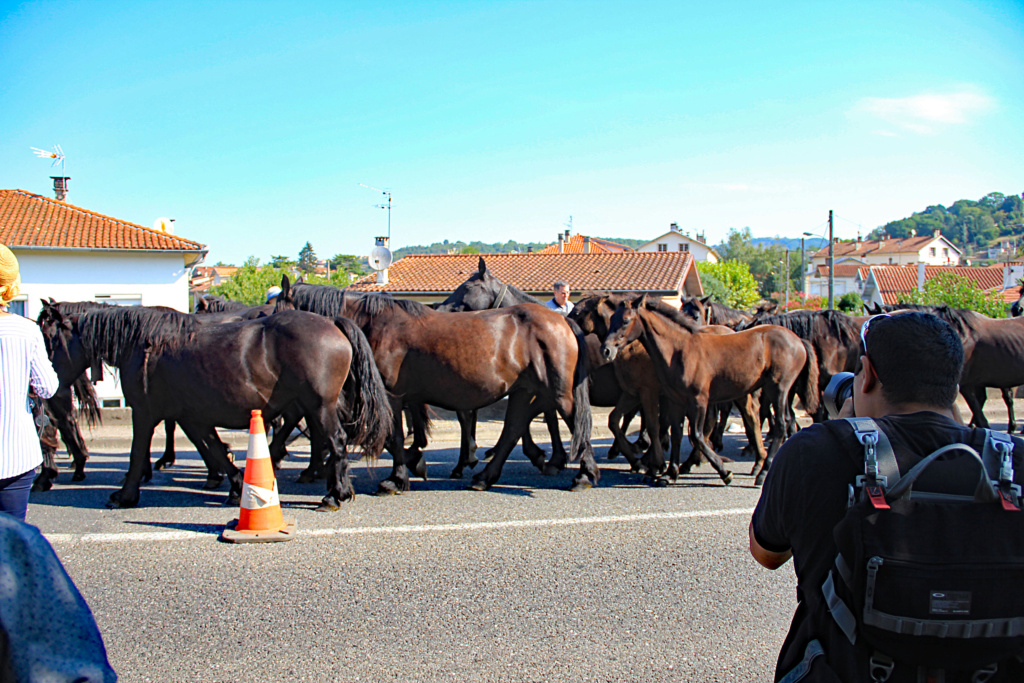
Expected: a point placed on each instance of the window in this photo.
(662, 246)
(945, 251)
(684, 247)
(931, 252)
(120, 299)
(17, 307)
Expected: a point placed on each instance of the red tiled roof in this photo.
(888, 246)
(843, 270)
(892, 281)
(1010, 294)
(534, 272)
(31, 220)
(575, 246)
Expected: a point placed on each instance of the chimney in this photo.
(702, 238)
(920, 276)
(936, 232)
(913, 233)
(566, 235)
(561, 243)
(674, 227)
(60, 187)
(586, 245)
(529, 250)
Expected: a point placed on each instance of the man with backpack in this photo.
(905, 526)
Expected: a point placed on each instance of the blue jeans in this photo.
(14, 494)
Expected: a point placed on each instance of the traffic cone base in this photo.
(259, 519)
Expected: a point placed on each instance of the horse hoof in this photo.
(324, 507)
(660, 482)
(478, 485)
(672, 472)
(146, 478)
(612, 454)
(760, 478)
(488, 453)
(550, 470)
(116, 501)
(390, 488)
(233, 499)
(421, 470)
(727, 478)
(39, 486)
(456, 473)
(581, 484)
(78, 476)
(213, 483)
(306, 477)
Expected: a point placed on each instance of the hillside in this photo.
(978, 223)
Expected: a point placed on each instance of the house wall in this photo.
(818, 286)
(948, 257)
(701, 252)
(147, 279)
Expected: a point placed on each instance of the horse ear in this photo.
(481, 267)
(285, 282)
(640, 301)
(706, 300)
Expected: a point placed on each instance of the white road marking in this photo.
(161, 536)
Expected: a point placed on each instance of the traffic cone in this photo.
(259, 519)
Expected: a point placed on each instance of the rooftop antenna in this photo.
(57, 155)
(569, 224)
(387, 206)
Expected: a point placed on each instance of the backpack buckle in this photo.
(880, 667)
(1007, 499)
(983, 675)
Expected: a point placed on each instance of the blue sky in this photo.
(253, 124)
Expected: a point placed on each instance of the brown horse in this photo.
(204, 376)
(465, 361)
(698, 370)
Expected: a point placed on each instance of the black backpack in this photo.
(928, 586)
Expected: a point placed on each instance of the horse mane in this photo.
(529, 298)
(672, 314)
(374, 304)
(961, 319)
(115, 333)
(80, 307)
(217, 304)
(803, 323)
(720, 314)
(88, 402)
(322, 299)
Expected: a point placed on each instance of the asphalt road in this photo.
(525, 582)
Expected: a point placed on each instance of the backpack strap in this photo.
(881, 470)
(997, 457)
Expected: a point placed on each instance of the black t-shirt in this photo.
(806, 491)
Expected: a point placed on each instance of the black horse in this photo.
(204, 376)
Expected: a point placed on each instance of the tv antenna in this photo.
(569, 224)
(57, 154)
(387, 205)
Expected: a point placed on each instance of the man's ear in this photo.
(870, 375)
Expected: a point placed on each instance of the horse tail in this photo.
(583, 419)
(365, 398)
(88, 403)
(807, 381)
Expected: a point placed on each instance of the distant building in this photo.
(891, 284)
(205, 277)
(932, 250)
(432, 277)
(675, 240)
(581, 244)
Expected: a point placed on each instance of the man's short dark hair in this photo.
(560, 285)
(918, 358)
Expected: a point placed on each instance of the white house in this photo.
(73, 254)
(932, 250)
(675, 240)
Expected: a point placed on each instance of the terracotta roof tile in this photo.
(575, 246)
(889, 246)
(534, 272)
(892, 281)
(32, 220)
(842, 270)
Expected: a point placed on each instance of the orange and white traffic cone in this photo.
(259, 519)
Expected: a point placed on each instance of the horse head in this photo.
(284, 300)
(594, 313)
(625, 326)
(695, 308)
(480, 291)
(64, 345)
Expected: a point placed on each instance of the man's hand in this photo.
(766, 558)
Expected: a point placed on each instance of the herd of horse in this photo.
(355, 367)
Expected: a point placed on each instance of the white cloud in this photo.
(927, 113)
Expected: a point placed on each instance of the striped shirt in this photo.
(23, 363)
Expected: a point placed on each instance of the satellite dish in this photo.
(380, 258)
(164, 225)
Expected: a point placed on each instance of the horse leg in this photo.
(752, 428)
(398, 481)
(976, 405)
(289, 420)
(467, 447)
(718, 432)
(215, 454)
(778, 403)
(1011, 425)
(417, 416)
(559, 458)
(535, 453)
(697, 433)
(654, 460)
(168, 458)
(675, 422)
(518, 416)
(48, 471)
(625, 407)
(327, 436)
(142, 437)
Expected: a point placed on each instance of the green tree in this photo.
(307, 259)
(714, 288)
(348, 264)
(250, 283)
(736, 278)
(851, 303)
(281, 262)
(958, 292)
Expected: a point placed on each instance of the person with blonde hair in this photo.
(23, 364)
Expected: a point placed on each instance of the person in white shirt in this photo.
(560, 301)
(23, 364)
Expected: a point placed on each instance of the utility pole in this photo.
(831, 267)
(787, 280)
(803, 266)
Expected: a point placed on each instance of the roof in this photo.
(30, 220)
(534, 272)
(681, 236)
(843, 270)
(892, 281)
(575, 246)
(862, 248)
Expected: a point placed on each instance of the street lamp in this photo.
(803, 268)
